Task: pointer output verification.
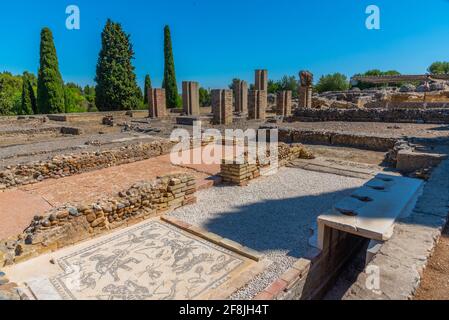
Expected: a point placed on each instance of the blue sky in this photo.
(215, 41)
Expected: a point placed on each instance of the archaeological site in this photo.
(309, 188)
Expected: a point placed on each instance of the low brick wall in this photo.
(437, 116)
(66, 165)
(335, 138)
(240, 173)
(70, 224)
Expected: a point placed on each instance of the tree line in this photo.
(116, 82)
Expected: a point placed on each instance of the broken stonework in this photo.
(69, 224)
(284, 103)
(241, 97)
(157, 103)
(257, 105)
(261, 81)
(222, 106)
(66, 165)
(191, 98)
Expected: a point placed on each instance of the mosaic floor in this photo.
(151, 261)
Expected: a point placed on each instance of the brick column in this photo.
(222, 106)
(241, 97)
(157, 103)
(305, 97)
(257, 104)
(284, 103)
(261, 82)
(191, 98)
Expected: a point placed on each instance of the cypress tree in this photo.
(116, 81)
(169, 83)
(50, 87)
(28, 104)
(146, 88)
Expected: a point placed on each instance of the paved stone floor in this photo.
(149, 261)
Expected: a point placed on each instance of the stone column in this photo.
(157, 103)
(305, 89)
(284, 103)
(222, 106)
(191, 98)
(257, 104)
(241, 97)
(261, 82)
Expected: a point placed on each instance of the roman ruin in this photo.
(284, 103)
(305, 89)
(241, 97)
(222, 106)
(261, 80)
(157, 103)
(257, 104)
(85, 189)
(190, 98)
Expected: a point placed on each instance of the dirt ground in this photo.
(348, 154)
(435, 281)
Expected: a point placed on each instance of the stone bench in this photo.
(371, 211)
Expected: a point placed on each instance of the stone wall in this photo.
(437, 116)
(240, 173)
(66, 165)
(69, 224)
(361, 141)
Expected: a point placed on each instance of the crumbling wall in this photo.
(240, 172)
(66, 165)
(69, 224)
(437, 116)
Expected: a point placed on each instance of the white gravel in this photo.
(272, 215)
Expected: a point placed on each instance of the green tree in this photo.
(28, 104)
(50, 87)
(169, 83)
(147, 87)
(205, 98)
(75, 101)
(332, 82)
(234, 84)
(10, 93)
(116, 81)
(273, 86)
(439, 67)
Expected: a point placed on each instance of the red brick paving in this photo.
(19, 206)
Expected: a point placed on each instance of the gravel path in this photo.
(272, 215)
